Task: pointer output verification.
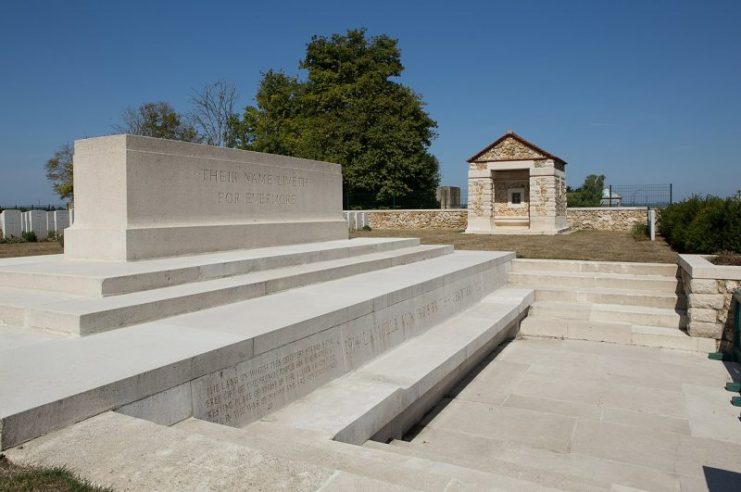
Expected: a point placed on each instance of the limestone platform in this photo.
(80, 298)
(320, 321)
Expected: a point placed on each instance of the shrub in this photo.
(639, 231)
(366, 228)
(703, 225)
(30, 237)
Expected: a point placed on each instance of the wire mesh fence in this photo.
(643, 195)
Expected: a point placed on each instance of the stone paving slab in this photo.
(590, 416)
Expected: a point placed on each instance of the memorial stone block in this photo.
(138, 197)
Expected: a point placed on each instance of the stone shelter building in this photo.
(516, 187)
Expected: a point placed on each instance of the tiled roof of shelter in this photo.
(512, 147)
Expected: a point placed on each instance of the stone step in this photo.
(108, 278)
(475, 461)
(126, 453)
(393, 391)
(565, 470)
(614, 332)
(174, 362)
(575, 266)
(627, 297)
(587, 311)
(592, 280)
(86, 316)
(371, 460)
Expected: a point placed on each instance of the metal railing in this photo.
(644, 195)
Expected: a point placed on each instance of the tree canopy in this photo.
(350, 111)
(59, 171)
(213, 106)
(159, 120)
(589, 194)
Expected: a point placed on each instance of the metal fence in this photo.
(645, 195)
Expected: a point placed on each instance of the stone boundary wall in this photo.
(605, 218)
(709, 289)
(579, 219)
(451, 219)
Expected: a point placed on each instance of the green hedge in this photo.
(704, 225)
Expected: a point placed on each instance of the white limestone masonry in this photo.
(139, 197)
(331, 328)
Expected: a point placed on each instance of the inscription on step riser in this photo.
(257, 387)
(253, 389)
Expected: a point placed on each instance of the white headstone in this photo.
(37, 223)
(61, 220)
(11, 223)
(51, 224)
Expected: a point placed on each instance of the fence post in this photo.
(610, 194)
(670, 193)
(652, 223)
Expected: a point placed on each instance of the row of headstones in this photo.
(356, 220)
(13, 223)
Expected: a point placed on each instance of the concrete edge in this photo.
(698, 266)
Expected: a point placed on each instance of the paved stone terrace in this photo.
(580, 415)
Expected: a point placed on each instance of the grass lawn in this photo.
(14, 478)
(579, 245)
(30, 249)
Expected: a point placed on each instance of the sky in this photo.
(640, 91)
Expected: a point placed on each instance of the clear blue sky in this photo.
(641, 91)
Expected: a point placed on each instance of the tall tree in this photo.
(213, 107)
(274, 125)
(157, 119)
(589, 194)
(349, 110)
(59, 171)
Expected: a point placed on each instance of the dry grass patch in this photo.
(8, 250)
(579, 245)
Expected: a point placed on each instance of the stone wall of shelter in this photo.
(502, 206)
(605, 218)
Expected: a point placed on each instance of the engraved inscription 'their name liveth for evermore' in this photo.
(249, 178)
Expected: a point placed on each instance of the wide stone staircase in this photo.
(256, 369)
(626, 303)
(76, 298)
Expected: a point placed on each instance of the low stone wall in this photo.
(452, 219)
(605, 218)
(579, 219)
(709, 289)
